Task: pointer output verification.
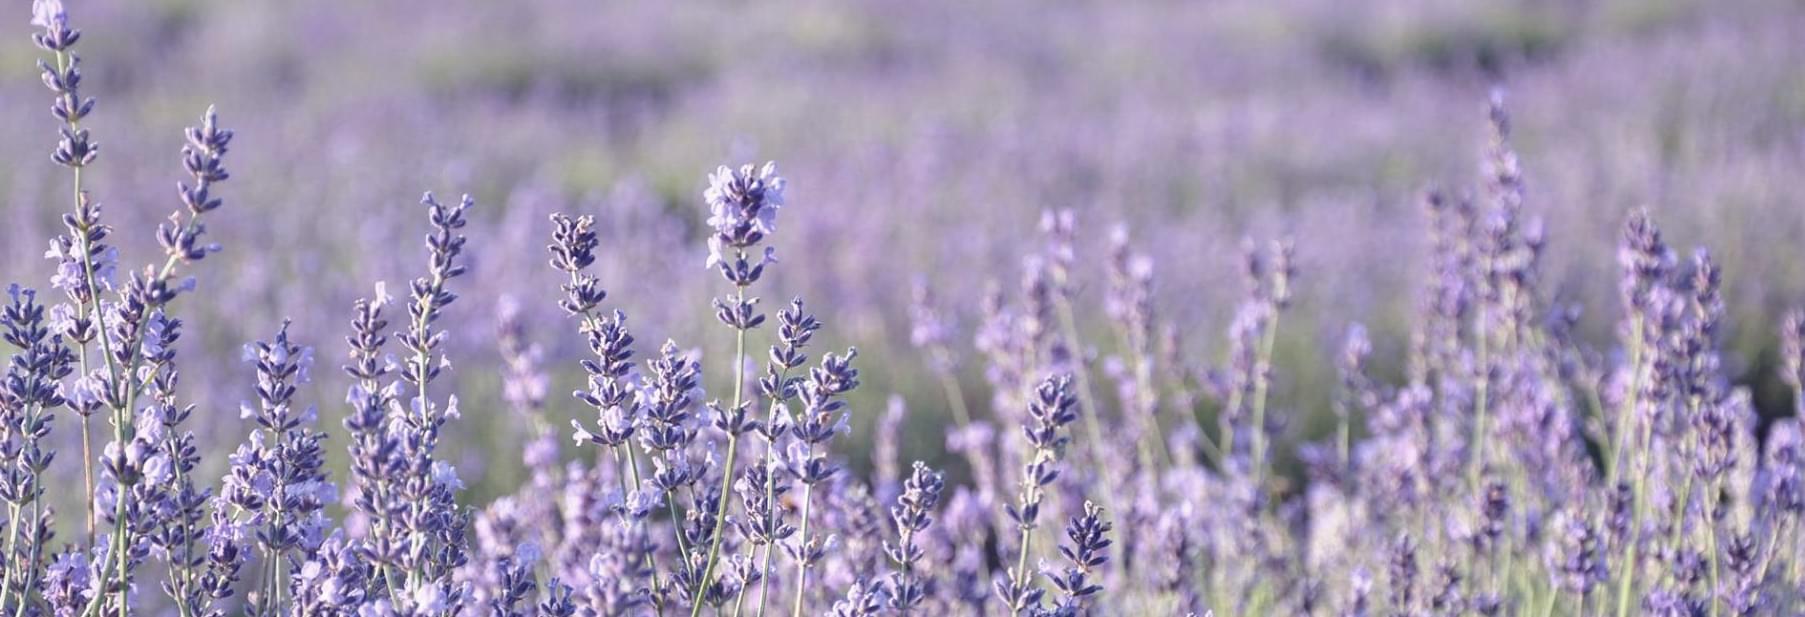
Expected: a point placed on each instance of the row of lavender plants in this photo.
(1512, 471)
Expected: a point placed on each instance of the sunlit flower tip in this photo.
(382, 294)
(446, 475)
(427, 598)
(48, 14)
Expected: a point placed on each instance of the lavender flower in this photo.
(742, 209)
(1049, 412)
(823, 416)
(912, 515)
(1089, 535)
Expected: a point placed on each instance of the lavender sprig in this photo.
(609, 390)
(743, 205)
(1089, 535)
(912, 514)
(796, 327)
(824, 414)
(278, 481)
(129, 344)
(84, 263)
(1049, 412)
(27, 397)
(435, 527)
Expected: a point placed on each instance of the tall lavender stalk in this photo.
(743, 205)
(823, 415)
(609, 391)
(1049, 412)
(278, 477)
(435, 527)
(85, 265)
(29, 394)
(1646, 264)
(1129, 303)
(912, 514)
(796, 327)
(178, 531)
(1061, 231)
(127, 340)
(929, 331)
(375, 452)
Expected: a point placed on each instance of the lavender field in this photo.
(1046, 308)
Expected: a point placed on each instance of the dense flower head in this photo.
(742, 207)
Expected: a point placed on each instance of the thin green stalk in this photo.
(1679, 510)
(1613, 465)
(1020, 575)
(1481, 403)
(1711, 541)
(955, 398)
(1262, 383)
(1631, 543)
(802, 539)
(1068, 324)
(651, 559)
(733, 442)
(93, 294)
(1226, 425)
(87, 461)
(714, 545)
(1143, 380)
(764, 569)
(764, 580)
(1344, 432)
(1775, 534)
(12, 540)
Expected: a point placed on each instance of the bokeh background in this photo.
(921, 140)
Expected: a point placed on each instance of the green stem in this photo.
(1262, 366)
(1481, 403)
(764, 571)
(802, 539)
(955, 398)
(1143, 381)
(12, 539)
(1068, 323)
(1631, 542)
(733, 442)
(1613, 465)
(1711, 540)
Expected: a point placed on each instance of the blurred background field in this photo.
(921, 139)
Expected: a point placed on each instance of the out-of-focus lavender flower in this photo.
(1403, 573)
(1576, 560)
(1792, 357)
(863, 599)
